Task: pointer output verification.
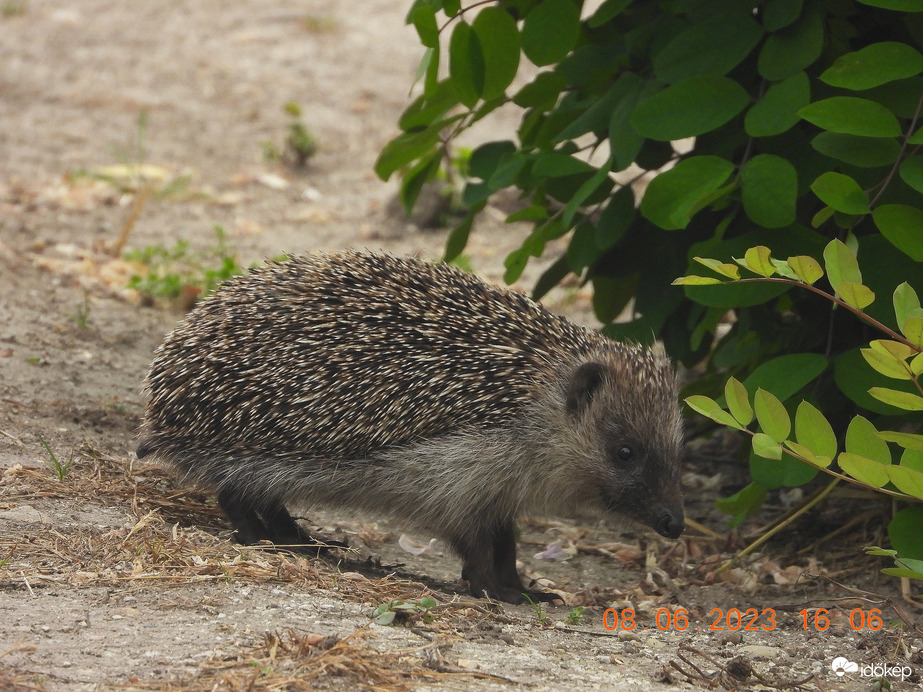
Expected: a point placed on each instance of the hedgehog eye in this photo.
(624, 453)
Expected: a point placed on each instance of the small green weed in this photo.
(300, 144)
(59, 469)
(575, 616)
(82, 316)
(539, 609)
(173, 272)
(387, 613)
(14, 8)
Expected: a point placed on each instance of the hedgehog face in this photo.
(632, 417)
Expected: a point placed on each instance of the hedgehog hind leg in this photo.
(489, 565)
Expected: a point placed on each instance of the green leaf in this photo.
(783, 269)
(903, 400)
(624, 140)
(841, 192)
(852, 116)
(738, 401)
(743, 503)
(887, 364)
(542, 92)
(591, 185)
(786, 375)
(424, 21)
(857, 295)
(772, 416)
(785, 472)
(466, 64)
(864, 152)
(792, 49)
(899, 5)
(864, 470)
(710, 409)
(757, 260)
(913, 330)
(693, 280)
(499, 40)
(807, 268)
(841, 264)
(907, 480)
(691, 107)
(814, 431)
(416, 177)
(550, 31)
(905, 535)
(615, 219)
(405, 148)
(724, 268)
(905, 440)
(862, 439)
(769, 189)
(779, 14)
(876, 64)
(903, 226)
(606, 11)
(911, 172)
(766, 447)
(808, 453)
(777, 111)
(487, 158)
(715, 46)
(906, 303)
(676, 195)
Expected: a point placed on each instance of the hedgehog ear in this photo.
(583, 385)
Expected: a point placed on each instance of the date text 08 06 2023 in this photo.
(749, 619)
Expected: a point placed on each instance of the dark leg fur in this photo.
(489, 565)
(269, 523)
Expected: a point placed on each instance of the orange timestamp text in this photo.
(736, 619)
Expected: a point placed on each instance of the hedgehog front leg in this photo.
(271, 522)
(505, 564)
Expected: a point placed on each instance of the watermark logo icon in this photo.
(842, 665)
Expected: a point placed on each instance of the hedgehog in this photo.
(394, 386)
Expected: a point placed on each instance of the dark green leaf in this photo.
(466, 64)
(778, 14)
(606, 11)
(786, 375)
(676, 195)
(416, 177)
(615, 219)
(777, 111)
(716, 45)
(876, 64)
(852, 116)
(591, 185)
(542, 92)
(900, 5)
(864, 152)
(428, 106)
(769, 190)
(499, 39)
(904, 532)
(582, 250)
(624, 140)
(550, 31)
(694, 106)
(912, 172)
(854, 378)
(743, 503)
(405, 148)
(903, 226)
(485, 159)
(786, 472)
(424, 21)
(793, 48)
(551, 277)
(556, 165)
(458, 238)
(841, 192)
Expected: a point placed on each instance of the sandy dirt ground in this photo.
(112, 577)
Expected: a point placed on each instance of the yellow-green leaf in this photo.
(862, 439)
(710, 409)
(801, 450)
(854, 294)
(887, 364)
(905, 440)
(783, 268)
(895, 348)
(863, 469)
(764, 446)
(724, 268)
(757, 259)
(772, 416)
(907, 480)
(841, 264)
(916, 365)
(693, 280)
(814, 432)
(913, 330)
(738, 401)
(904, 400)
(906, 303)
(807, 268)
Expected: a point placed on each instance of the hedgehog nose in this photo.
(670, 524)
